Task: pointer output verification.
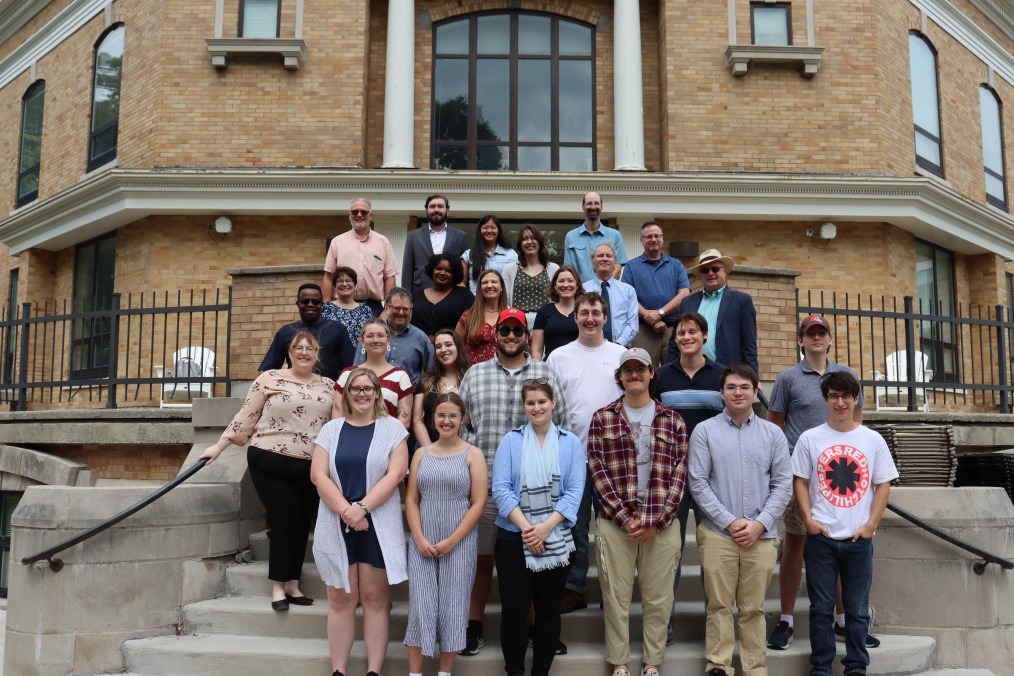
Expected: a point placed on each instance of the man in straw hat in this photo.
(730, 314)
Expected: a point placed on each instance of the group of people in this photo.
(625, 396)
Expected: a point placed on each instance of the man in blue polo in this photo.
(582, 240)
(661, 284)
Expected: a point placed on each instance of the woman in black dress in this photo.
(440, 306)
(554, 322)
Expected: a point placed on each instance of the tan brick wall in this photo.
(128, 461)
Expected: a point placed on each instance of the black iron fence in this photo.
(147, 348)
(913, 356)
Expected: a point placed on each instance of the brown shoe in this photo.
(572, 601)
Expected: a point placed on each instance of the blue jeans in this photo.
(826, 560)
(577, 580)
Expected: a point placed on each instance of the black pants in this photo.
(519, 587)
(290, 503)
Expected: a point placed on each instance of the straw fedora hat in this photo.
(712, 255)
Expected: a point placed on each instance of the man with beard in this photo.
(368, 253)
(410, 348)
(335, 347)
(492, 392)
(582, 240)
(421, 243)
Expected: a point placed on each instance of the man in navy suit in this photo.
(731, 314)
(437, 237)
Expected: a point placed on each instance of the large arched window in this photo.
(513, 91)
(106, 98)
(31, 143)
(992, 147)
(925, 104)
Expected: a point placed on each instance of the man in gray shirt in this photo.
(741, 480)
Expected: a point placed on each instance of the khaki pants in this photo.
(739, 576)
(656, 344)
(655, 564)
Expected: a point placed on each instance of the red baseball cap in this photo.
(513, 313)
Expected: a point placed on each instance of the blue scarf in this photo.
(540, 490)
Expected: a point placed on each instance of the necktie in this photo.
(608, 328)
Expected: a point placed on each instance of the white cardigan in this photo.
(329, 544)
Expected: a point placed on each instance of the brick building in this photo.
(738, 125)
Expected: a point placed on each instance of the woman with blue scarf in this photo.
(538, 480)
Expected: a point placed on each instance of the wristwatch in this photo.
(361, 504)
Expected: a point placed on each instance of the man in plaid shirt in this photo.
(637, 455)
(492, 393)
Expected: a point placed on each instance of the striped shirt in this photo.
(612, 459)
(395, 385)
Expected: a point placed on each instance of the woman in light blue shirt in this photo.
(491, 250)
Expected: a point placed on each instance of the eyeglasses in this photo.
(304, 349)
(369, 390)
(833, 398)
(639, 370)
(516, 331)
(398, 308)
(359, 212)
(343, 281)
(738, 388)
(310, 301)
(534, 381)
(651, 236)
(714, 269)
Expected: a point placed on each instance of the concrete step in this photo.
(252, 615)
(251, 579)
(956, 672)
(271, 656)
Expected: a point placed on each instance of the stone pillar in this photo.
(399, 86)
(395, 228)
(627, 91)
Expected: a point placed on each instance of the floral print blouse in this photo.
(282, 415)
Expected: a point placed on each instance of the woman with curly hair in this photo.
(439, 306)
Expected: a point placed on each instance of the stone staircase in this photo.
(240, 634)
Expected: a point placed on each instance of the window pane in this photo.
(927, 148)
(452, 38)
(535, 122)
(260, 18)
(575, 159)
(451, 100)
(108, 66)
(770, 25)
(992, 143)
(924, 85)
(994, 188)
(28, 184)
(534, 158)
(103, 143)
(575, 39)
(492, 99)
(31, 129)
(450, 157)
(492, 158)
(494, 34)
(533, 35)
(576, 101)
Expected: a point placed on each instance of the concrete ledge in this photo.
(119, 426)
(36, 466)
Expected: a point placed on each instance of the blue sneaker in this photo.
(781, 637)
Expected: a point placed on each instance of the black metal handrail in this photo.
(56, 564)
(979, 566)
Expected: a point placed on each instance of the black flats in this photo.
(278, 606)
(299, 600)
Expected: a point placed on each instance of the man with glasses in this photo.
(661, 283)
(843, 473)
(620, 297)
(492, 392)
(586, 368)
(368, 253)
(637, 450)
(796, 406)
(436, 237)
(730, 314)
(410, 348)
(741, 480)
(336, 351)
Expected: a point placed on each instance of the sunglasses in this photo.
(310, 301)
(534, 381)
(516, 331)
(359, 212)
(715, 269)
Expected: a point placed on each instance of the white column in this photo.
(627, 91)
(399, 86)
(394, 227)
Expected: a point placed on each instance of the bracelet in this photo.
(362, 505)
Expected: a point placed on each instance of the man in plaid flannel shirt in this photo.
(637, 455)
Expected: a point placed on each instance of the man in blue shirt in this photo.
(620, 297)
(410, 348)
(335, 347)
(661, 284)
(582, 240)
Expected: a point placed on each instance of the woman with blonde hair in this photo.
(359, 459)
(281, 415)
(396, 389)
(477, 326)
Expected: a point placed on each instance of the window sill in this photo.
(111, 164)
(739, 57)
(919, 171)
(292, 50)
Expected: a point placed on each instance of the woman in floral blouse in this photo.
(283, 412)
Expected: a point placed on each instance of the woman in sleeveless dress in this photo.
(445, 498)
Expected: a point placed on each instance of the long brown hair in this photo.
(476, 316)
(431, 380)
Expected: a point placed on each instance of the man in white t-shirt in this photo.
(586, 369)
(842, 483)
